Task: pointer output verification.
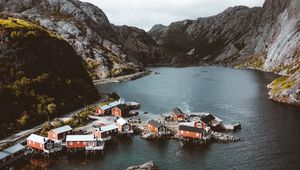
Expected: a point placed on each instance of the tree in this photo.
(23, 120)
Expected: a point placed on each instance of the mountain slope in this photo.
(41, 75)
(266, 38)
(86, 28)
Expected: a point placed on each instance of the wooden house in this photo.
(124, 126)
(40, 143)
(80, 141)
(60, 133)
(121, 110)
(156, 127)
(106, 132)
(178, 115)
(191, 132)
(212, 121)
(106, 109)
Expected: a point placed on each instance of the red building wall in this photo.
(78, 144)
(117, 112)
(190, 134)
(35, 145)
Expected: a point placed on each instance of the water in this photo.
(269, 130)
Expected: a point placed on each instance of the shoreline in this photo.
(120, 79)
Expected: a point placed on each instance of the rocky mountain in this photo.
(265, 38)
(41, 75)
(108, 52)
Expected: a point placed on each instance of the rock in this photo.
(146, 166)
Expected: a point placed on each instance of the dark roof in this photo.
(191, 129)
(122, 106)
(177, 111)
(155, 123)
(207, 118)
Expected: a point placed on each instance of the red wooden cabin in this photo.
(107, 109)
(156, 127)
(177, 114)
(80, 141)
(121, 110)
(40, 142)
(60, 133)
(191, 132)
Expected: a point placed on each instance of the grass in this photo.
(22, 29)
(282, 83)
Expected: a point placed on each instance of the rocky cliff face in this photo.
(40, 75)
(266, 38)
(86, 28)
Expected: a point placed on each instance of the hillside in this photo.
(41, 76)
(265, 38)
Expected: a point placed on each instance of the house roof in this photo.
(62, 129)
(37, 138)
(191, 129)
(155, 123)
(11, 150)
(208, 118)
(112, 104)
(177, 111)
(122, 106)
(121, 121)
(108, 127)
(73, 138)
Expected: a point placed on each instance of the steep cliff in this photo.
(266, 38)
(41, 76)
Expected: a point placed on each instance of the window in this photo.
(181, 132)
(84, 143)
(78, 142)
(71, 143)
(197, 134)
(53, 135)
(41, 145)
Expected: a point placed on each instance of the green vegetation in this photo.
(24, 29)
(282, 83)
(91, 65)
(255, 61)
(77, 120)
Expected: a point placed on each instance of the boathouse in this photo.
(156, 127)
(121, 110)
(60, 133)
(80, 141)
(106, 132)
(124, 126)
(11, 154)
(191, 132)
(212, 121)
(178, 115)
(40, 143)
(106, 109)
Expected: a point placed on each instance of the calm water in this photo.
(270, 137)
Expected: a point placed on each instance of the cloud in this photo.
(145, 13)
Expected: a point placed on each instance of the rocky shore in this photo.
(146, 166)
(122, 78)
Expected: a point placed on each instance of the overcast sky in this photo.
(145, 13)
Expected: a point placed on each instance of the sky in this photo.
(146, 13)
